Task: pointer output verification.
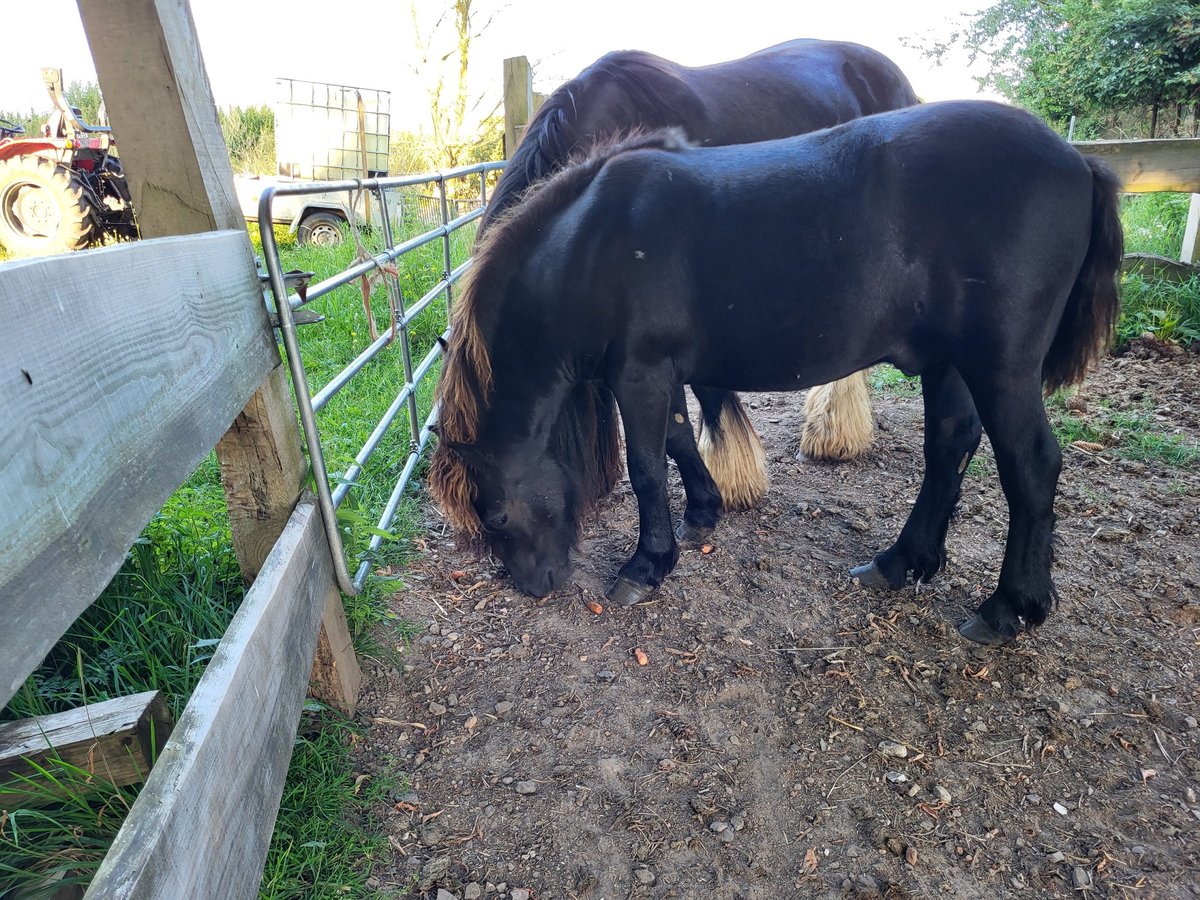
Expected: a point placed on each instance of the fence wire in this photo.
(390, 204)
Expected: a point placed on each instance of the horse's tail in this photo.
(731, 449)
(1090, 318)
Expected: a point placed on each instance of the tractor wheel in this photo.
(43, 208)
(323, 229)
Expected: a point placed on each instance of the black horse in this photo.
(789, 89)
(963, 241)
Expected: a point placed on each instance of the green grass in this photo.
(1154, 223)
(158, 622)
(1128, 434)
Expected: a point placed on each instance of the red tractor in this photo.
(63, 189)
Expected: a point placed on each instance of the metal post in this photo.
(446, 243)
(308, 420)
(405, 351)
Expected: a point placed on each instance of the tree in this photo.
(1091, 58)
(462, 118)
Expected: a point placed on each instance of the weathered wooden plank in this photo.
(1162, 164)
(336, 676)
(115, 740)
(122, 368)
(159, 102)
(161, 106)
(1159, 267)
(202, 823)
(518, 101)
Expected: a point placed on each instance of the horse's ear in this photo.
(472, 456)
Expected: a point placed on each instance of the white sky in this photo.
(246, 44)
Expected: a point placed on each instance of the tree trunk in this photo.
(1153, 119)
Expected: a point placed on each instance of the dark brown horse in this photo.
(789, 89)
(963, 241)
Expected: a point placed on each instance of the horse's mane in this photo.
(586, 435)
(657, 96)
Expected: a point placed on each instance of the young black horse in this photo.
(963, 241)
(788, 89)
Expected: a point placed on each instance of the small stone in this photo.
(1081, 878)
(738, 822)
(1060, 809)
(914, 790)
(1191, 722)
(942, 793)
(452, 700)
(437, 709)
(1060, 707)
(644, 876)
(433, 872)
(526, 787)
(718, 826)
(471, 723)
(520, 894)
(891, 748)
(726, 836)
(1190, 795)
(1056, 857)
(444, 894)
(503, 708)
(895, 777)
(431, 835)
(1137, 850)
(472, 891)
(606, 675)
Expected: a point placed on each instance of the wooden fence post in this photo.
(518, 101)
(160, 103)
(1191, 234)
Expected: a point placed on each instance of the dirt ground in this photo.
(794, 735)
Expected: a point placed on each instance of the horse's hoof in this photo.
(627, 593)
(692, 534)
(977, 630)
(870, 576)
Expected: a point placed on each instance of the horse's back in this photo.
(898, 233)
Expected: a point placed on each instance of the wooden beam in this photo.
(518, 101)
(1163, 164)
(160, 103)
(123, 366)
(336, 677)
(116, 741)
(203, 821)
(1159, 267)
(163, 116)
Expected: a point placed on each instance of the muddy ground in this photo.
(794, 735)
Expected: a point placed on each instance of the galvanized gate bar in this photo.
(308, 403)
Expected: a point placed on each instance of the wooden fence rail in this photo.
(124, 367)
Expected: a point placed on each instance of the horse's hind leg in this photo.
(703, 498)
(731, 449)
(1028, 460)
(952, 432)
(837, 419)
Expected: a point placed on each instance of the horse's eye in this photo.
(496, 520)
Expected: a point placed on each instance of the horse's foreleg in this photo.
(952, 433)
(703, 498)
(1028, 459)
(645, 403)
(837, 419)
